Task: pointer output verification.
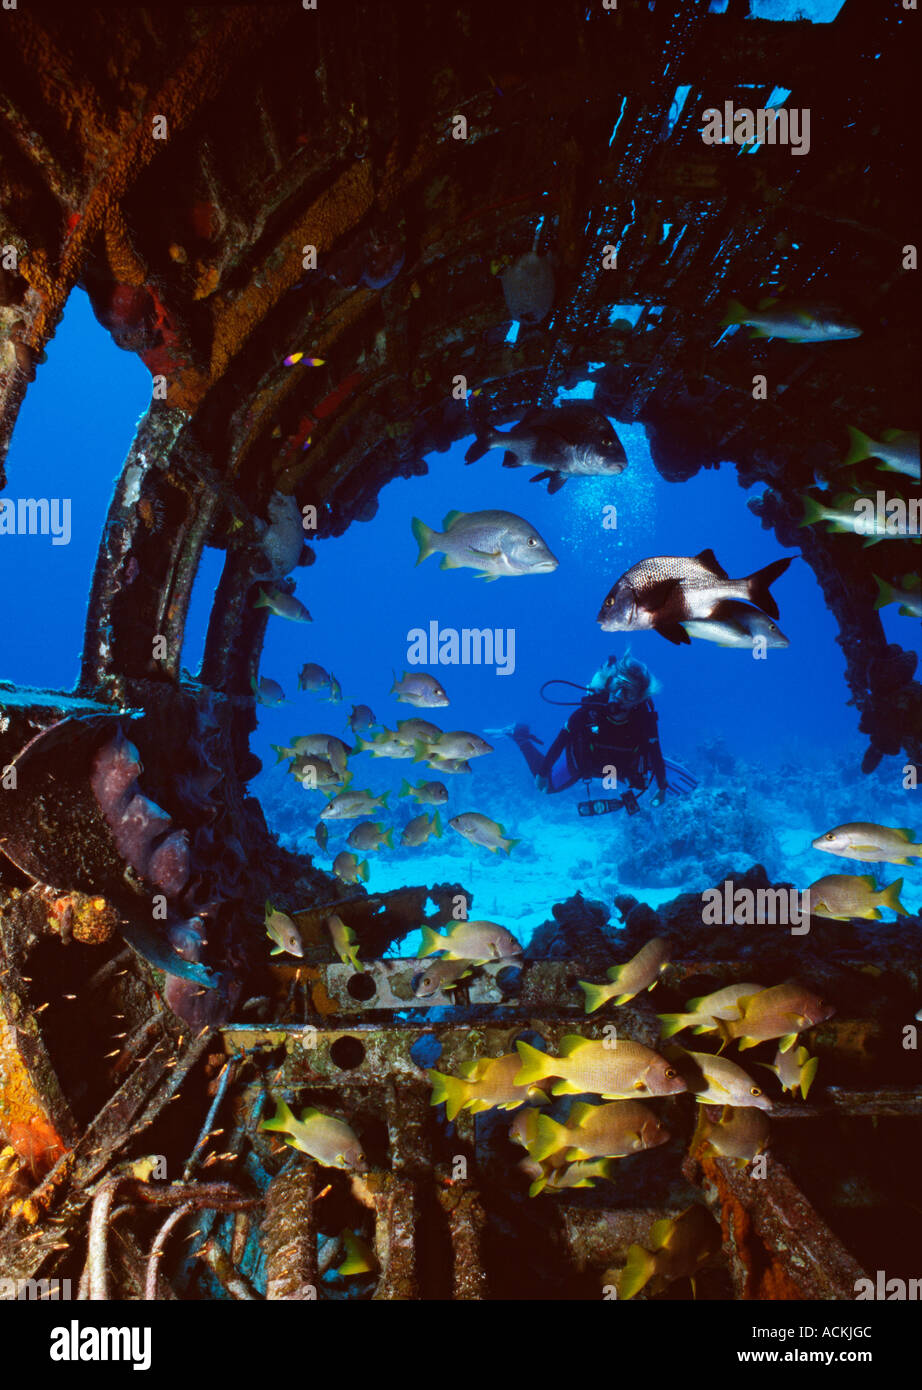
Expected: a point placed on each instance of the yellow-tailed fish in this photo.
(330, 1141)
(614, 1070)
(581, 1174)
(441, 974)
(345, 943)
(417, 831)
(706, 1009)
(897, 451)
(873, 844)
(908, 595)
(780, 1012)
(679, 1247)
(844, 896)
(360, 1257)
(739, 1132)
(348, 868)
(474, 941)
(795, 1069)
(642, 972)
(487, 1083)
(284, 932)
(480, 830)
(370, 835)
(411, 731)
(725, 1083)
(613, 1130)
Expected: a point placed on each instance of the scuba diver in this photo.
(614, 725)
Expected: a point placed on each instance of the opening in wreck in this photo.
(225, 1072)
(717, 713)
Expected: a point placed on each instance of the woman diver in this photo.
(612, 730)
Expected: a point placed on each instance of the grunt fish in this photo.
(873, 844)
(474, 941)
(480, 830)
(570, 440)
(420, 689)
(345, 942)
(284, 932)
(642, 972)
(613, 1070)
(493, 542)
(488, 1083)
(681, 1245)
(330, 1141)
(843, 896)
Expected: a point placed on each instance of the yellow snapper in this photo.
(384, 745)
(726, 1083)
(793, 320)
(740, 1132)
(348, 868)
(352, 805)
(795, 1069)
(410, 731)
(642, 972)
(478, 942)
(360, 1257)
(873, 844)
(780, 1012)
(456, 744)
(487, 1083)
(314, 773)
(615, 1071)
(425, 793)
(480, 830)
(330, 1141)
(345, 942)
(441, 974)
(370, 835)
(555, 1177)
(454, 766)
(680, 1246)
(844, 896)
(284, 932)
(897, 451)
(417, 831)
(706, 1009)
(908, 596)
(613, 1130)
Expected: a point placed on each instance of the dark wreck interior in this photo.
(179, 172)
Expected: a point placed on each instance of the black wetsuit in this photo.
(593, 738)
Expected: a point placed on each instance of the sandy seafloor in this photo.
(738, 817)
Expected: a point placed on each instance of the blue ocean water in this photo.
(773, 743)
